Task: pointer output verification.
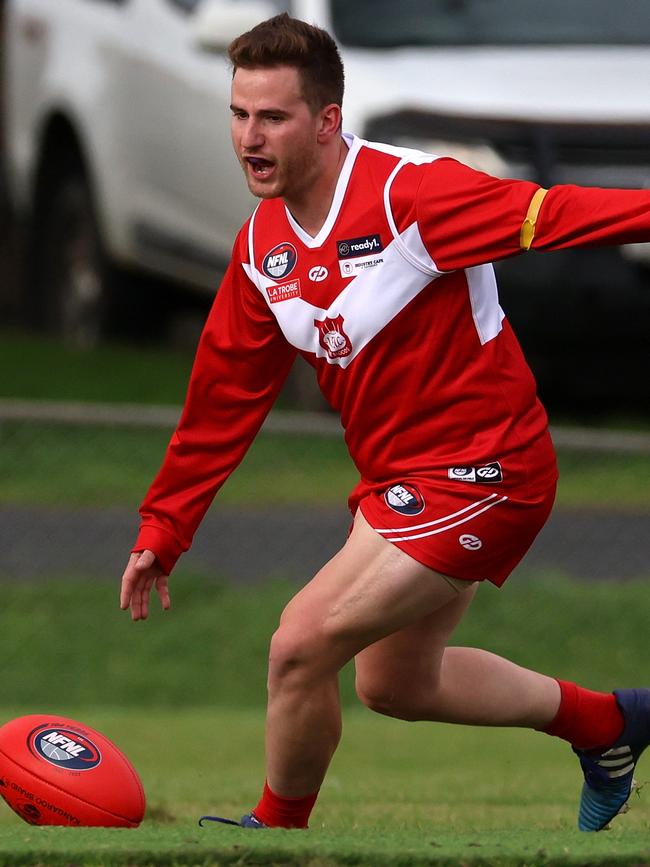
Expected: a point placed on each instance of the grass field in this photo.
(60, 464)
(76, 466)
(211, 648)
(44, 369)
(183, 695)
(396, 794)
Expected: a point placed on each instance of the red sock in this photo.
(586, 719)
(277, 811)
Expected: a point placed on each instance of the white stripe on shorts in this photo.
(471, 512)
(438, 520)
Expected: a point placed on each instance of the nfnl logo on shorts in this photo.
(283, 291)
(363, 246)
(405, 499)
(488, 474)
(281, 261)
(64, 748)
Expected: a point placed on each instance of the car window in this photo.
(384, 23)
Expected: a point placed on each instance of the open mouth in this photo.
(261, 168)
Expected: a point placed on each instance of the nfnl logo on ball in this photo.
(280, 261)
(64, 748)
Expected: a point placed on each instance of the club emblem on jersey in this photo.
(332, 337)
(280, 261)
(405, 499)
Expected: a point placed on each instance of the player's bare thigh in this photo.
(367, 591)
(392, 672)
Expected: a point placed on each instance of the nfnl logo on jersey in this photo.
(281, 261)
(332, 337)
(283, 291)
(405, 499)
(65, 748)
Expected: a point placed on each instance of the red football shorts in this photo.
(465, 527)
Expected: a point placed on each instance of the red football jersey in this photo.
(395, 305)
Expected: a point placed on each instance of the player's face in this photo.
(274, 132)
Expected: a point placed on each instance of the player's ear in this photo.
(330, 122)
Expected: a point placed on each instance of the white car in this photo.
(118, 143)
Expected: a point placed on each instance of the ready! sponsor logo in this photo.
(64, 748)
(363, 246)
(280, 261)
(484, 475)
(283, 291)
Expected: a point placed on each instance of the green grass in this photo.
(84, 466)
(99, 466)
(598, 480)
(45, 369)
(396, 794)
(211, 648)
(88, 466)
(183, 695)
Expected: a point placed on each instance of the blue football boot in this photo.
(609, 774)
(250, 820)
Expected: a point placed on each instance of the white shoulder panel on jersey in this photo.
(484, 299)
(481, 280)
(405, 155)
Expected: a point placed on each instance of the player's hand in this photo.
(141, 574)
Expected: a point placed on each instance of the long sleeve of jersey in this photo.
(241, 363)
(468, 218)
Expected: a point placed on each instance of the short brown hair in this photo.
(286, 41)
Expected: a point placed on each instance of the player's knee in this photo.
(389, 701)
(294, 656)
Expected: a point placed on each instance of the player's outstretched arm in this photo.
(141, 574)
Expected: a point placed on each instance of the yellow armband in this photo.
(527, 234)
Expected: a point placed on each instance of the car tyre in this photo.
(73, 279)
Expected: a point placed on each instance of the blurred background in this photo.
(119, 203)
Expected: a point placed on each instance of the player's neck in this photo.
(311, 207)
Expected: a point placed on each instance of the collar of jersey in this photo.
(354, 145)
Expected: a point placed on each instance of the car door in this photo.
(188, 197)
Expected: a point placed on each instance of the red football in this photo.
(55, 771)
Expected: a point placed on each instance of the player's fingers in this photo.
(163, 592)
(129, 580)
(135, 602)
(140, 599)
(144, 560)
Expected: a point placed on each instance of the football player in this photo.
(373, 263)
